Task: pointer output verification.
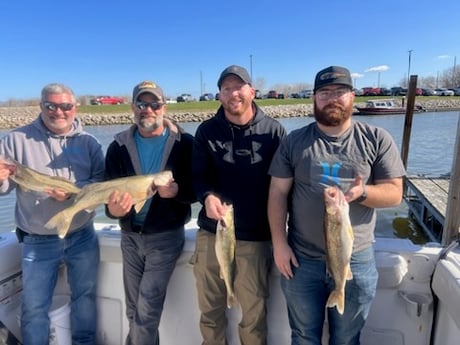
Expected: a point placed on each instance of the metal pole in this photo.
(250, 65)
(201, 83)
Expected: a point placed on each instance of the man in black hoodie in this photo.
(231, 156)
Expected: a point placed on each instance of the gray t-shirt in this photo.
(315, 161)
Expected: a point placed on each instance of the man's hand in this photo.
(119, 205)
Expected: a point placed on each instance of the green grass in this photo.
(211, 106)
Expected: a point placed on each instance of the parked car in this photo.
(398, 91)
(306, 93)
(272, 94)
(456, 91)
(258, 94)
(207, 97)
(101, 100)
(170, 100)
(217, 96)
(428, 92)
(385, 92)
(358, 92)
(371, 91)
(185, 97)
(442, 91)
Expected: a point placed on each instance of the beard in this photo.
(333, 114)
(148, 124)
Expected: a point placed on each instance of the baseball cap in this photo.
(149, 87)
(333, 75)
(235, 70)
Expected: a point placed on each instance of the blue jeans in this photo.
(148, 263)
(41, 257)
(306, 295)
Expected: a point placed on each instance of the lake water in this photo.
(431, 152)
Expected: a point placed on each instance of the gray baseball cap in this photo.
(235, 70)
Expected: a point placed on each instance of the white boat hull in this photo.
(402, 313)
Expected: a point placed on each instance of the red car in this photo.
(101, 100)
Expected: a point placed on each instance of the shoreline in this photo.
(12, 117)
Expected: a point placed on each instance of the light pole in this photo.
(408, 69)
(250, 65)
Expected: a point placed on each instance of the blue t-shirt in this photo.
(150, 155)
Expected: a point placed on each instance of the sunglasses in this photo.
(54, 106)
(153, 105)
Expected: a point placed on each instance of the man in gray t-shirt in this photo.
(364, 162)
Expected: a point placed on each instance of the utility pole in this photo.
(201, 83)
(250, 65)
(408, 69)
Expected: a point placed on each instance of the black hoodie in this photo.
(232, 161)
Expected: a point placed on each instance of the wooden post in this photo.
(408, 120)
(451, 227)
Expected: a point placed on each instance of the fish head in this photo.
(227, 220)
(334, 199)
(162, 178)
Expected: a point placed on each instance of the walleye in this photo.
(98, 193)
(339, 244)
(30, 179)
(225, 252)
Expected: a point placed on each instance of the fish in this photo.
(339, 239)
(94, 194)
(31, 180)
(225, 252)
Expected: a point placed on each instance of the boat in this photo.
(383, 107)
(417, 301)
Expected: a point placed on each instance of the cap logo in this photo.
(332, 75)
(148, 85)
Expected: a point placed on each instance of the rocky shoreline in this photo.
(12, 117)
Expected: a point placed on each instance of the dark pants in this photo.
(148, 263)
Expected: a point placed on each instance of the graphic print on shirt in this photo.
(330, 172)
(229, 153)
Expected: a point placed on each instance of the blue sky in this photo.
(106, 47)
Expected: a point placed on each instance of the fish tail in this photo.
(336, 299)
(61, 221)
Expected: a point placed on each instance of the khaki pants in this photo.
(253, 261)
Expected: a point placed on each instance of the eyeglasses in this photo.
(54, 106)
(330, 94)
(153, 105)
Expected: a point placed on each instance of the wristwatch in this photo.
(363, 196)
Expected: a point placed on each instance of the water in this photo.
(430, 153)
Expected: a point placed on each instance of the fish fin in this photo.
(139, 205)
(231, 301)
(336, 299)
(61, 222)
(349, 273)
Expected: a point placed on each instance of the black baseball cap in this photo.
(235, 70)
(333, 75)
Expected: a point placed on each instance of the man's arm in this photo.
(277, 217)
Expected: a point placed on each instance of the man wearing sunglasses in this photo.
(151, 240)
(55, 144)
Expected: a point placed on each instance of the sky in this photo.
(106, 47)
